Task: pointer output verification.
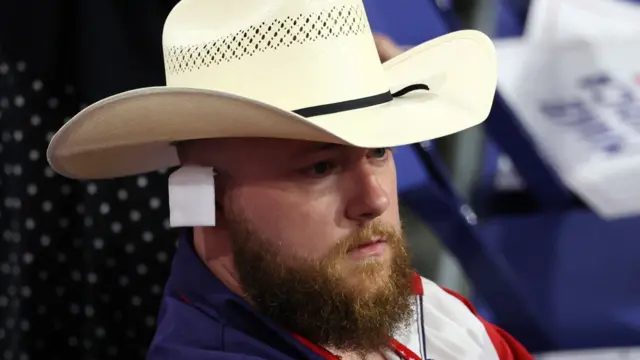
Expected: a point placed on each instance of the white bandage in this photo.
(192, 198)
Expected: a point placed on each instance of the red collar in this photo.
(401, 351)
(416, 284)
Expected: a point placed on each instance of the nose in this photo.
(370, 199)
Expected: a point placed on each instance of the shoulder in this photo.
(181, 330)
(187, 330)
(449, 307)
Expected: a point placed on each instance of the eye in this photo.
(379, 153)
(319, 169)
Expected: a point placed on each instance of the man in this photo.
(282, 119)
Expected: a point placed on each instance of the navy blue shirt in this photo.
(200, 318)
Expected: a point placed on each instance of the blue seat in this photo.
(579, 274)
(511, 16)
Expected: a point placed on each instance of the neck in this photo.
(217, 258)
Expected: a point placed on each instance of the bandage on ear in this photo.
(192, 197)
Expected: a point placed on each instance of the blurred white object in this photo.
(192, 197)
(507, 177)
(580, 101)
(558, 20)
(600, 354)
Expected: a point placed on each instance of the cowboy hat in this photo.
(294, 69)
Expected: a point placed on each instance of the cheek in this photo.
(390, 184)
(392, 215)
(292, 223)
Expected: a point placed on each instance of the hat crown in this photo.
(288, 53)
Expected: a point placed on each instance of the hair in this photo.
(182, 147)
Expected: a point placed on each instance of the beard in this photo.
(356, 309)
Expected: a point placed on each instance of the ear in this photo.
(220, 204)
(181, 150)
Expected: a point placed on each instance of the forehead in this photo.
(235, 152)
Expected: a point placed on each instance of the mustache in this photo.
(374, 231)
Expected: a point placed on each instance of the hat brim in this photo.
(132, 132)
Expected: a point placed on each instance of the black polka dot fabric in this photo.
(82, 263)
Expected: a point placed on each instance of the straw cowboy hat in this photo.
(294, 69)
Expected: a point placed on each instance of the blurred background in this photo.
(532, 215)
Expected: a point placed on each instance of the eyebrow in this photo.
(308, 150)
(319, 148)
